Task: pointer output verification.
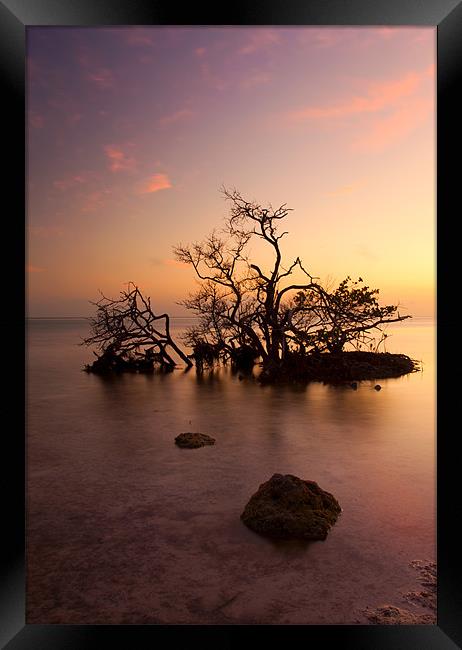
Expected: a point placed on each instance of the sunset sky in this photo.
(132, 132)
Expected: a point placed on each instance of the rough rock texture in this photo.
(193, 440)
(287, 507)
(391, 615)
(426, 598)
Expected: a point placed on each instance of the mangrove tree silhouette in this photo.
(276, 312)
(280, 314)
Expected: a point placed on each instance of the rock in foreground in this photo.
(287, 507)
(193, 440)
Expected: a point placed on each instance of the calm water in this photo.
(125, 527)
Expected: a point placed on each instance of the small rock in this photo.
(354, 385)
(193, 440)
(378, 387)
(287, 507)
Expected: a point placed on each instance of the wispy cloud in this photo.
(118, 160)
(64, 184)
(177, 116)
(102, 78)
(388, 130)
(351, 37)
(260, 39)
(322, 37)
(94, 201)
(30, 268)
(397, 107)
(376, 97)
(139, 38)
(200, 51)
(155, 183)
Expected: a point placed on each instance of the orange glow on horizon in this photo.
(339, 123)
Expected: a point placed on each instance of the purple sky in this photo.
(132, 132)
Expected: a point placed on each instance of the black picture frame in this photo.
(15, 17)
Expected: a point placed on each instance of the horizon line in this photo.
(87, 317)
(80, 317)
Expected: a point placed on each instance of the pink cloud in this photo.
(34, 269)
(118, 160)
(155, 183)
(138, 37)
(200, 51)
(95, 200)
(102, 77)
(71, 181)
(386, 131)
(396, 107)
(177, 116)
(327, 37)
(377, 97)
(355, 37)
(260, 39)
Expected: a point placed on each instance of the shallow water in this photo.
(125, 527)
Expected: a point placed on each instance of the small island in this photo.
(280, 320)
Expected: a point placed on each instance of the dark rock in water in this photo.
(287, 507)
(338, 367)
(354, 385)
(193, 440)
(378, 387)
